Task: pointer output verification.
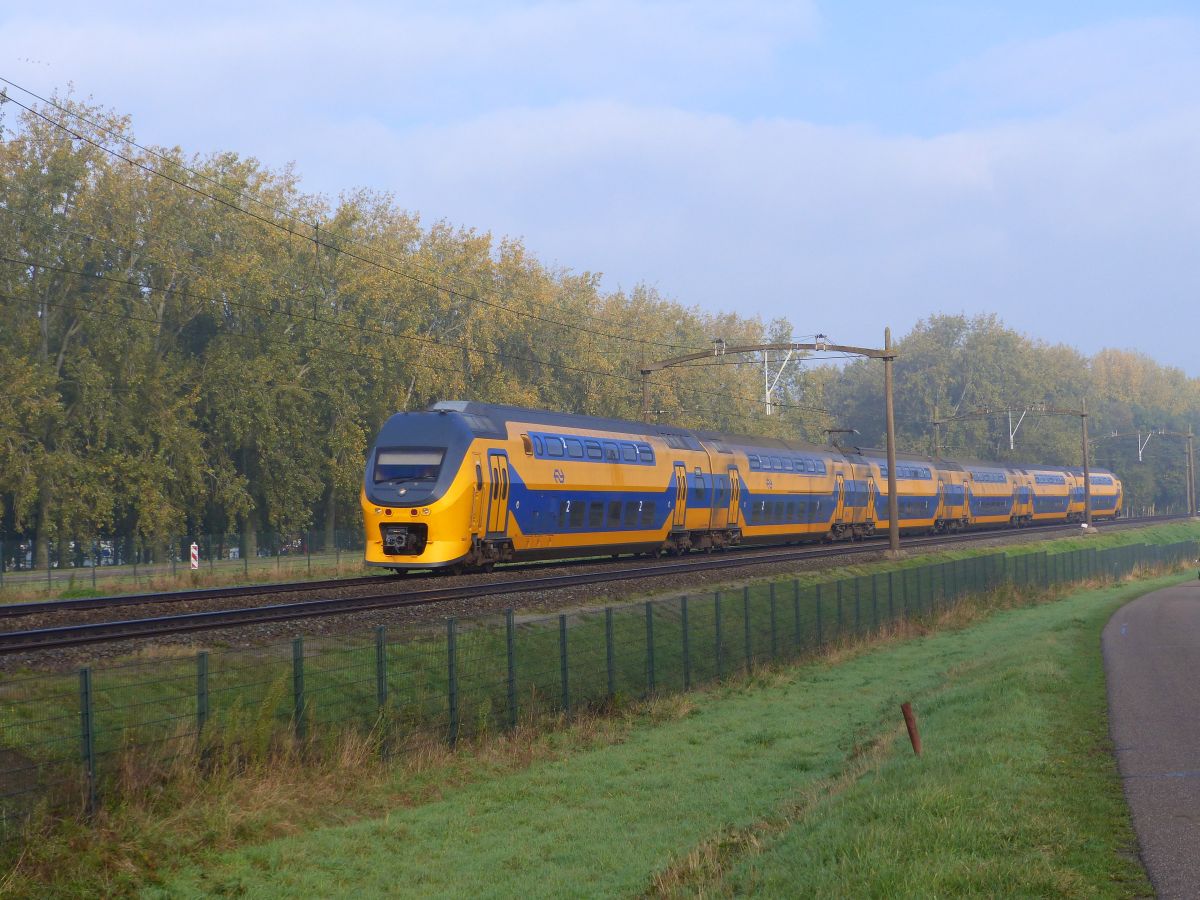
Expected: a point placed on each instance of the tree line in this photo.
(192, 344)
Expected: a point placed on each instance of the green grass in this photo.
(795, 782)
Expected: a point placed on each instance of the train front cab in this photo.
(419, 499)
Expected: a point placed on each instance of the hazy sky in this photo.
(845, 165)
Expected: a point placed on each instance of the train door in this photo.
(477, 496)
(735, 497)
(839, 497)
(680, 495)
(940, 511)
(498, 496)
(872, 509)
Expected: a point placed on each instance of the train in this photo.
(465, 485)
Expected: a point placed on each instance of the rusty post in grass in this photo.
(910, 722)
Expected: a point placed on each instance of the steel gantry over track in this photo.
(1189, 460)
(820, 345)
(1034, 409)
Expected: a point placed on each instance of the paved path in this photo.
(1152, 659)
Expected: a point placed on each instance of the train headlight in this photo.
(425, 511)
(378, 511)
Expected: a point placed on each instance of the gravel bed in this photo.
(411, 618)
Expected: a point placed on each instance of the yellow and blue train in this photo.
(467, 485)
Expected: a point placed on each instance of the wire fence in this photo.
(71, 740)
(124, 562)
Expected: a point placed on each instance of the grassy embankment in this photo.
(804, 729)
(794, 782)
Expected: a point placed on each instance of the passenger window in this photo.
(629, 453)
(631, 513)
(538, 446)
(593, 449)
(596, 516)
(648, 514)
(554, 446)
(614, 514)
(610, 452)
(776, 464)
(645, 453)
(577, 515)
(574, 448)
(787, 464)
(791, 511)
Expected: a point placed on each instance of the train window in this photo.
(554, 446)
(776, 463)
(777, 512)
(577, 514)
(593, 449)
(564, 508)
(611, 454)
(648, 514)
(614, 514)
(645, 453)
(787, 465)
(631, 513)
(527, 443)
(478, 477)
(791, 511)
(595, 516)
(698, 486)
(628, 453)
(752, 460)
(495, 482)
(538, 446)
(574, 448)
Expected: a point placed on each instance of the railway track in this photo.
(75, 635)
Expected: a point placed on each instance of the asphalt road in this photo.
(1152, 659)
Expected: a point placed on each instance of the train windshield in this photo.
(394, 466)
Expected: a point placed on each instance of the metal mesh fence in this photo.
(118, 563)
(73, 739)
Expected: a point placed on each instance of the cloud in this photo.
(1066, 197)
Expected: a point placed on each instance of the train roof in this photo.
(490, 419)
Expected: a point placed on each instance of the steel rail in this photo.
(90, 633)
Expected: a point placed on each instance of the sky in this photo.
(843, 165)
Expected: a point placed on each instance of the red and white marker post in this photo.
(195, 555)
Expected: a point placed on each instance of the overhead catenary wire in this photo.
(315, 239)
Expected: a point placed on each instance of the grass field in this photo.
(795, 781)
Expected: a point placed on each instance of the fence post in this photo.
(608, 652)
(687, 646)
(510, 644)
(717, 630)
(746, 627)
(87, 733)
(774, 625)
(452, 678)
(796, 612)
(562, 654)
(839, 607)
(201, 692)
(649, 647)
(298, 683)
(820, 627)
(381, 684)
